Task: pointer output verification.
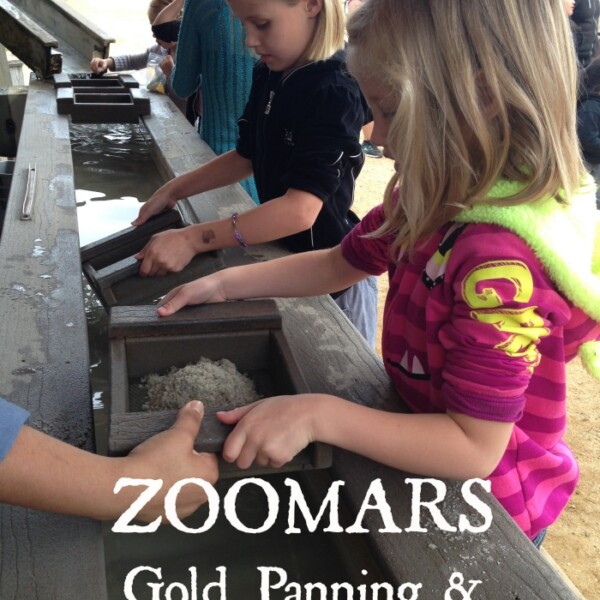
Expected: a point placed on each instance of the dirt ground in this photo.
(573, 541)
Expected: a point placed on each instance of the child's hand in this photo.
(167, 252)
(167, 64)
(101, 65)
(206, 290)
(170, 456)
(160, 201)
(270, 432)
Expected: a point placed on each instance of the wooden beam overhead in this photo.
(28, 41)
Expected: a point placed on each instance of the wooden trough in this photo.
(247, 333)
(44, 368)
(113, 272)
(100, 99)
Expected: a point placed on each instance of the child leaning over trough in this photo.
(166, 34)
(299, 137)
(490, 237)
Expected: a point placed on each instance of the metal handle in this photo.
(29, 195)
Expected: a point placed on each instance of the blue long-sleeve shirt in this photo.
(12, 418)
(212, 52)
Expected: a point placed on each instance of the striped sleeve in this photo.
(368, 254)
(506, 316)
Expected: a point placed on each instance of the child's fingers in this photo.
(189, 419)
(168, 296)
(187, 423)
(235, 443)
(182, 433)
(231, 417)
(142, 217)
(146, 211)
(239, 447)
(175, 300)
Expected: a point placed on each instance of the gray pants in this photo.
(359, 304)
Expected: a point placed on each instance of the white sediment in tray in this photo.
(215, 383)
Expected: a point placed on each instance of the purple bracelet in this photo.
(236, 233)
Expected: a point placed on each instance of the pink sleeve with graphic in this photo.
(504, 310)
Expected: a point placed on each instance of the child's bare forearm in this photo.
(299, 275)
(273, 430)
(436, 445)
(43, 473)
(222, 170)
(305, 274)
(169, 12)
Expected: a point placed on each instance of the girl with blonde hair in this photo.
(490, 237)
(298, 136)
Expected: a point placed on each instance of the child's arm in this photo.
(101, 65)
(170, 251)
(305, 274)
(222, 170)
(272, 431)
(169, 13)
(44, 473)
(167, 64)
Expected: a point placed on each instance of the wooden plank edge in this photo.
(568, 581)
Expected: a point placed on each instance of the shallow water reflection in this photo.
(114, 173)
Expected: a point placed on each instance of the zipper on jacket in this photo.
(268, 107)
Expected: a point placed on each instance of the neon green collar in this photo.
(565, 238)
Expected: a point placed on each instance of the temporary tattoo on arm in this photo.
(208, 235)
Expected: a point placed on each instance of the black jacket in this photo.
(302, 131)
(585, 17)
(588, 128)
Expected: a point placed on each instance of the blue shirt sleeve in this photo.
(12, 418)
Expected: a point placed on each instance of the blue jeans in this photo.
(359, 304)
(539, 538)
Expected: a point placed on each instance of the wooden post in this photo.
(67, 24)
(30, 42)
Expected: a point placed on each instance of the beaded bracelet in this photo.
(236, 233)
